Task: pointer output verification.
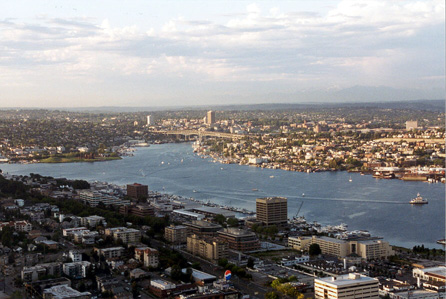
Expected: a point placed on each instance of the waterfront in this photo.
(380, 206)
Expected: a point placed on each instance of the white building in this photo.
(351, 285)
(77, 269)
(110, 252)
(75, 255)
(149, 120)
(92, 221)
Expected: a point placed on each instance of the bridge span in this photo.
(201, 133)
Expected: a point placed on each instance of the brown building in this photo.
(203, 228)
(137, 210)
(137, 190)
(272, 210)
(176, 234)
(240, 240)
(208, 248)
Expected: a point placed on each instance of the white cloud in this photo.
(356, 42)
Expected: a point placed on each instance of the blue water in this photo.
(379, 206)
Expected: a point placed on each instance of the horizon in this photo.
(166, 54)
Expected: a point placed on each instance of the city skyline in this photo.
(169, 54)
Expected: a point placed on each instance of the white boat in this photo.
(418, 200)
(350, 179)
(271, 176)
(303, 194)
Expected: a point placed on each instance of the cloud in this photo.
(354, 43)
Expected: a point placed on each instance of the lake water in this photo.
(379, 206)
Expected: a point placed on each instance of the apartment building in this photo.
(111, 252)
(176, 234)
(127, 235)
(208, 248)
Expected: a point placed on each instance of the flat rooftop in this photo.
(348, 279)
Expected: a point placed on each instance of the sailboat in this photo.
(350, 179)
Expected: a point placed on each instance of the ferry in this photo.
(442, 241)
(418, 200)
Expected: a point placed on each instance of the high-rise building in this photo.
(137, 191)
(210, 117)
(149, 120)
(272, 210)
(351, 285)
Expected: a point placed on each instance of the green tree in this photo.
(272, 295)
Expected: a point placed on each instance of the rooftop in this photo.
(348, 279)
(63, 291)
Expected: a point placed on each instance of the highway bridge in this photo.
(201, 133)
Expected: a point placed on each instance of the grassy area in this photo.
(67, 159)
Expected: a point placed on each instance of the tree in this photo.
(314, 249)
(232, 222)
(220, 219)
(272, 295)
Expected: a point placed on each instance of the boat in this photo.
(303, 194)
(418, 200)
(442, 241)
(255, 189)
(271, 176)
(350, 179)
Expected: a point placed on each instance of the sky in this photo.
(175, 53)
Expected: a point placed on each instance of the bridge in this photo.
(201, 133)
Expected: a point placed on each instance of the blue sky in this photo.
(166, 53)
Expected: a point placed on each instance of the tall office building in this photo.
(137, 190)
(210, 117)
(149, 120)
(351, 285)
(272, 210)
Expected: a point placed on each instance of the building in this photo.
(352, 285)
(332, 246)
(69, 232)
(75, 256)
(210, 117)
(137, 210)
(64, 292)
(149, 120)
(149, 256)
(137, 191)
(176, 234)
(238, 239)
(366, 249)
(37, 272)
(93, 198)
(93, 221)
(411, 125)
(299, 243)
(23, 226)
(203, 228)
(127, 235)
(77, 269)
(110, 252)
(272, 211)
(86, 237)
(437, 274)
(207, 248)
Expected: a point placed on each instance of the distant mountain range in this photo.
(428, 105)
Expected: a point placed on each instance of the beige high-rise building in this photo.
(272, 210)
(210, 117)
(351, 285)
(210, 249)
